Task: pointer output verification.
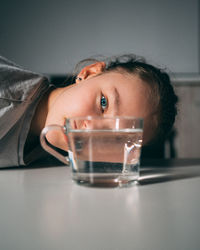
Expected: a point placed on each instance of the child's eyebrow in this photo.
(116, 98)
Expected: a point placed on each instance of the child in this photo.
(123, 85)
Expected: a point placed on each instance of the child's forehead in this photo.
(118, 76)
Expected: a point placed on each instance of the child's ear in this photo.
(90, 71)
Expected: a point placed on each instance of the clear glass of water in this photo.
(104, 151)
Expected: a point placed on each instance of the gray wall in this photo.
(51, 36)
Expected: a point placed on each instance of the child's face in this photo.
(111, 93)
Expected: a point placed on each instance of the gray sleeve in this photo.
(20, 91)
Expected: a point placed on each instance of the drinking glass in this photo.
(102, 151)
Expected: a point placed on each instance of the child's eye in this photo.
(103, 103)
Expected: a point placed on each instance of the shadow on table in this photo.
(156, 171)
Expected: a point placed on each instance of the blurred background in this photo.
(50, 37)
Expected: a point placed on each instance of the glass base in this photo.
(105, 180)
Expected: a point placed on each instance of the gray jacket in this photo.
(20, 92)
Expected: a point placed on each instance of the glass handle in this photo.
(47, 146)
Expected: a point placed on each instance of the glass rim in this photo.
(89, 117)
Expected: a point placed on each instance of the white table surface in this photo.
(42, 208)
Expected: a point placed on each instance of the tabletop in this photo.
(42, 208)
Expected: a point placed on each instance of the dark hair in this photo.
(163, 95)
